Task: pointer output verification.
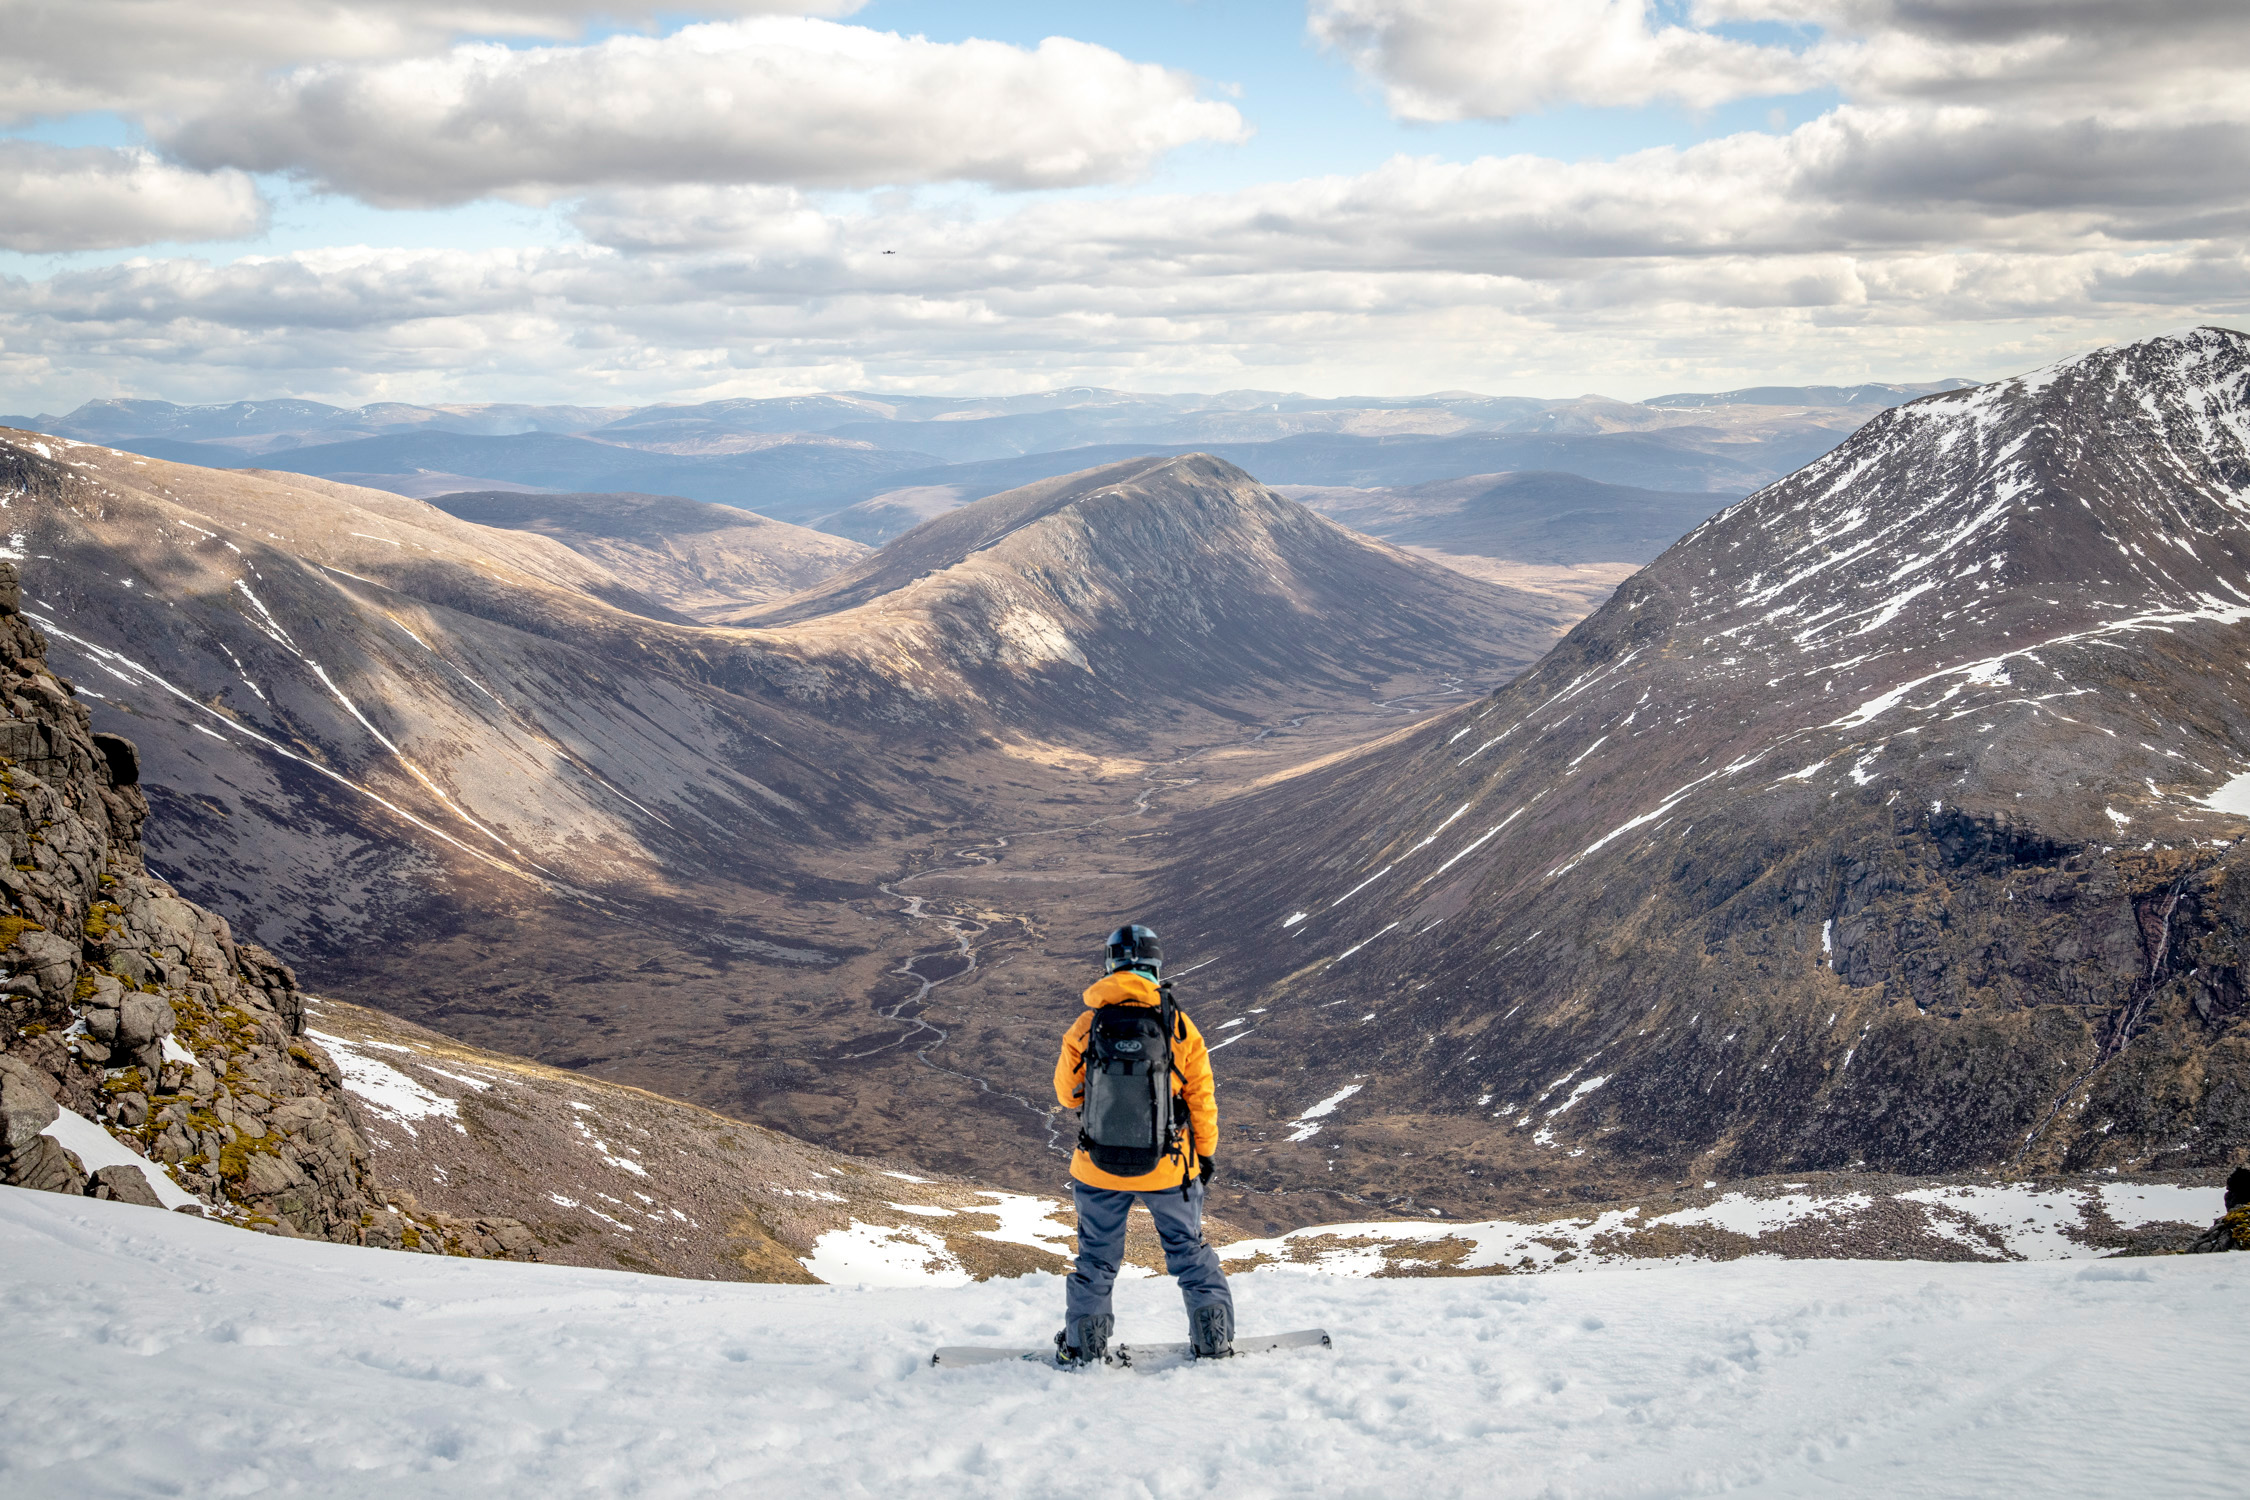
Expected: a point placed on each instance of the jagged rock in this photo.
(2232, 1232)
(256, 1124)
(144, 1019)
(27, 1107)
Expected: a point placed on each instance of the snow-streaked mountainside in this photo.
(361, 705)
(357, 698)
(1888, 820)
(170, 1356)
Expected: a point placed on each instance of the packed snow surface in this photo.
(154, 1354)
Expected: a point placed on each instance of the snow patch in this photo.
(2028, 1221)
(384, 1089)
(2133, 1205)
(1306, 1123)
(1041, 1223)
(2233, 798)
(1753, 1217)
(880, 1255)
(96, 1148)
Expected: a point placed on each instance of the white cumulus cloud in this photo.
(1457, 59)
(775, 100)
(162, 55)
(98, 198)
(1460, 59)
(1752, 259)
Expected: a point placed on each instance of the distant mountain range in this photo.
(869, 467)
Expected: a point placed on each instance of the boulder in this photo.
(27, 1104)
(103, 1003)
(267, 1175)
(126, 1185)
(50, 960)
(143, 1020)
(46, 1167)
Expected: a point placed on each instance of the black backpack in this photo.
(1126, 1124)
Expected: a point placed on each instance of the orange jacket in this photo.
(1193, 1085)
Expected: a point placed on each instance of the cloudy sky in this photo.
(554, 200)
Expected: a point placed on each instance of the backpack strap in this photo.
(1175, 1028)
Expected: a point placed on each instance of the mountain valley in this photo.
(1784, 842)
(498, 786)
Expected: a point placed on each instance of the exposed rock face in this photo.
(133, 1008)
(1878, 824)
(2232, 1232)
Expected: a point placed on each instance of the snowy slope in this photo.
(156, 1354)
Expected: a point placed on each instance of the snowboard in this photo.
(1131, 1355)
(1128, 1355)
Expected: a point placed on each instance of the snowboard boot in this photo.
(1211, 1331)
(1085, 1341)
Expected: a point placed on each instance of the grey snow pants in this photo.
(1101, 1248)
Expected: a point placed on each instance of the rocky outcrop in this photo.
(137, 1010)
(406, 1225)
(2232, 1232)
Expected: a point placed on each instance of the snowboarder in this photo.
(1135, 1068)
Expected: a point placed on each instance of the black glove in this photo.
(1203, 1173)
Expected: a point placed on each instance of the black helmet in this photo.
(1134, 947)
